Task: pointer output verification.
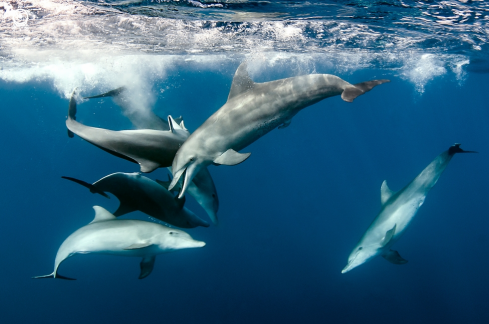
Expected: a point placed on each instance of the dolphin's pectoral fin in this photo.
(241, 82)
(140, 245)
(385, 192)
(147, 264)
(231, 157)
(101, 214)
(285, 124)
(147, 166)
(389, 235)
(394, 257)
(124, 208)
(351, 92)
(70, 134)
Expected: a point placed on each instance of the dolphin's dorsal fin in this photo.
(139, 245)
(231, 157)
(385, 192)
(389, 235)
(173, 124)
(241, 81)
(147, 264)
(183, 125)
(101, 214)
(394, 257)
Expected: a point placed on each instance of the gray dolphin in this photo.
(152, 149)
(251, 111)
(124, 237)
(202, 187)
(136, 192)
(397, 211)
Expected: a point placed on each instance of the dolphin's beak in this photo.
(190, 173)
(351, 264)
(176, 177)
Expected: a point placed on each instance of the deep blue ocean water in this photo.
(289, 216)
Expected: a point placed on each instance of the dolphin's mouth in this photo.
(176, 178)
(349, 266)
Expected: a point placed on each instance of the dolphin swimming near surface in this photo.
(124, 237)
(202, 187)
(251, 111)
(396, 213)
(136, 192)
(152, 149)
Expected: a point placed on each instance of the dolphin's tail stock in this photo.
(53, 275)
(350, 93)
(91, 187)
(72, 111)
(455, 148)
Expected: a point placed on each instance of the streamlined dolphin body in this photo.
(202, 187)
(398, 209)
(152, 149)
(108, 235)
(136, 192)
(251, 111)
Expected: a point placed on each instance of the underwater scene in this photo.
(235, 161)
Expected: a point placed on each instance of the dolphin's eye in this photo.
(360, 248)
(171, 233)
(192, 159)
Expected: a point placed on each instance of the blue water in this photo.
(289, 215)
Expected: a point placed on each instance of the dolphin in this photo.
(397, 211)
(202, 187)
(136, 192)
(152, 149)
(251, 111)
(124, 237)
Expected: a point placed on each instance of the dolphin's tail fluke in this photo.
(350, 93)
(455, 148)
(91, 187)
(111, 93)
(72, 111)
(53, 276)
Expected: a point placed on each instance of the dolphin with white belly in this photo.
(136, 192)
(251, 111)
(202, 187)
(152, 149)
(397, 211)
(123, 237)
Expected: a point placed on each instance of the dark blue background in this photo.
(289, 215)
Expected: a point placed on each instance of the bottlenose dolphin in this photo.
(202, 187)
(251, 111)
(136, 192)
(152, 149)
(124, 237)
(397, 211)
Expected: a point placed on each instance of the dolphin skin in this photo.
(202, 187)
(136, 192)
(152, 149)
(397, 211)
(135, 238)
(251, 111)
